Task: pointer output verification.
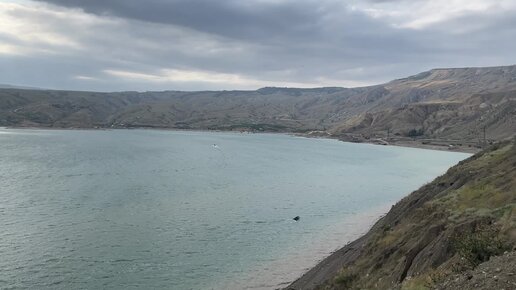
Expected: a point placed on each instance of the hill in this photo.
(454, 104)
(465, 119)
(437, 235)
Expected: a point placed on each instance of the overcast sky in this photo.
(112, 45)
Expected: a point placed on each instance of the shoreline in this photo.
(428, 144)
(419, 144)
(294, 265)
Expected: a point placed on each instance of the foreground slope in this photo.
(445, 228)
(441, 103)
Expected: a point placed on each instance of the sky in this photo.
(119, 45)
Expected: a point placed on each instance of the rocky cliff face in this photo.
(448, 226)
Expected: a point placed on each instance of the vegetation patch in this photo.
(477, 247)
(483, 196)
(415, 133)
(424, 282)
(346, 278)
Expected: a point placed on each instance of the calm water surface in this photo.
(133, 209)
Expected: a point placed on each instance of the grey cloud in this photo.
(292, 41)
(314, 29)
(226, 18)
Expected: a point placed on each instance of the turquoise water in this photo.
(134, 209)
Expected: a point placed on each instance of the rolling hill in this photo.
(438, 104)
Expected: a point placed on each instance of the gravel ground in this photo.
(498, 273)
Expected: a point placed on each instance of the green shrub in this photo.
(478, 246)
(415, 132)
(346, 278)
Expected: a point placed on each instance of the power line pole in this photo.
(485, 142)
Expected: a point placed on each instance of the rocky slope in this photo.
(441, 103)
(497, 273)
(447, 227)
(467, 119)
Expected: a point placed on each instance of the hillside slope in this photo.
(448, 226)
(441, 103)
(493, 112)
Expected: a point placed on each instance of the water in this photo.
(133, 209)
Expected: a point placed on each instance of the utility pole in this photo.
(485, 142)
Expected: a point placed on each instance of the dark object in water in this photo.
(296, 218)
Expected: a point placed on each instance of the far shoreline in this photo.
(380, 142)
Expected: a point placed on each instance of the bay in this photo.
(155, 209)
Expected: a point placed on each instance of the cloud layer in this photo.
(230, 44)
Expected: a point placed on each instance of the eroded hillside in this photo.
(439, 104)
(492, 113)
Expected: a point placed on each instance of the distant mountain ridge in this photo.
(440, 103)
(6, 86)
